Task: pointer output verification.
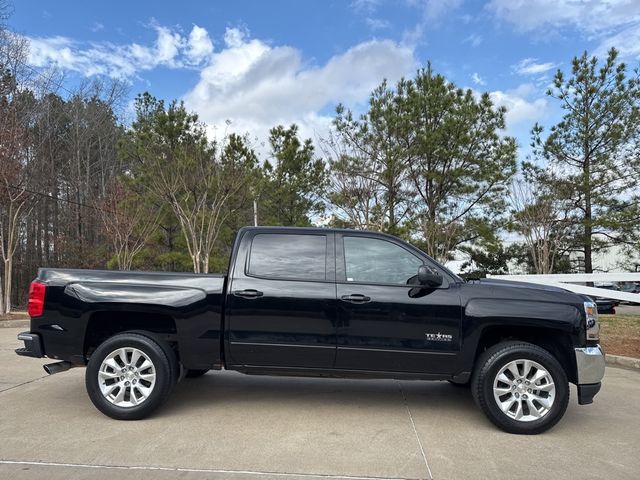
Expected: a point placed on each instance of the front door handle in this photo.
(250, 293)
(356, 298)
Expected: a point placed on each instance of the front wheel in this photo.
(520, 387)
(128, 376)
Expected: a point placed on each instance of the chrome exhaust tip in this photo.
(57, 367)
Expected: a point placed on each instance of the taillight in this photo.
(36, 299)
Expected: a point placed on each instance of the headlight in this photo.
(593, 327)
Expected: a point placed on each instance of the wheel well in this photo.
(103, 325)
(555, 342)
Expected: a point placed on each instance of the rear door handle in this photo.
(250, 293)
(356, 298)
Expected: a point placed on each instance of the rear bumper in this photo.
(32, 345)
(590, 364)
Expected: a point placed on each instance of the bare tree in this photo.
(16, 196)
(377, 156)
(128, 222)
(543, 222)
(200, 187)
(352, 195)
(16, 159)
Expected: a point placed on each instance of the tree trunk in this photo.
(8, 267)
(1, 297)
(588, 227)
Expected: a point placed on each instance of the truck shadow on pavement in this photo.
(224, 389)
(435, 403)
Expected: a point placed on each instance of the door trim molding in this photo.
(393, 350)
(293, 345)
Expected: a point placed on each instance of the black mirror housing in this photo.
(427, 277)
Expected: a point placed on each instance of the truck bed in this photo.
(186, 306)
(209, 283)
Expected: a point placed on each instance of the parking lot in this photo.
(230, 426)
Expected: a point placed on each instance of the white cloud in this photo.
(200, 46)
(377, 23)
(627, 42)
(167, 45)
(234, 37)
(530, 66)
(256, 85)
(431, 11)
(587, 15)
(474, 40)
(170, 49)
(520, 109)
(97, 26)
(477, 79)
(613, 22)
(367, 6)
(434, 9)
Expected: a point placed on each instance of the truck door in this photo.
(281, 300)
(385, 324)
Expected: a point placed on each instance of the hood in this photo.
(530, 286)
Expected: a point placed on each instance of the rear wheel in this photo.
(129, 376)
(520, 387)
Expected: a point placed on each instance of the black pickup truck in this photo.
(319, 302)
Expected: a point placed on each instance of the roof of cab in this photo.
(319, 229)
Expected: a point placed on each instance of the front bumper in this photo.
(32, 345)
(590, 364)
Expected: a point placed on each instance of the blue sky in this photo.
(259, 63)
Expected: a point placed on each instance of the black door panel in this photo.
(398, 332)
(291, 324)
(384, 324)
(283, 322)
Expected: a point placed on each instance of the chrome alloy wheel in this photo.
(126, 377)
(524, 390)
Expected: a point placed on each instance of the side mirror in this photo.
(427, 277)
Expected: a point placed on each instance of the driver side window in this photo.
(371, 260)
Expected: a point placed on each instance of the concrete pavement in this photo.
(230, 426)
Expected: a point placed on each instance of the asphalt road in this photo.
(230, 426)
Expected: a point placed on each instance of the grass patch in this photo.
(620, 334)
(620, 324)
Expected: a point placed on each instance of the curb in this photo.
(620, 361)
(22, 323)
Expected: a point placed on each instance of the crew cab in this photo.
(319, 302)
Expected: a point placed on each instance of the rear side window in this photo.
(288, 256)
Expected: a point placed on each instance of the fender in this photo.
(540, 312)
(198, 334)
(168, 296)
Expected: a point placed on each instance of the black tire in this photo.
(169, 352)
(195, 373)
(164, 376)
(490, 364)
